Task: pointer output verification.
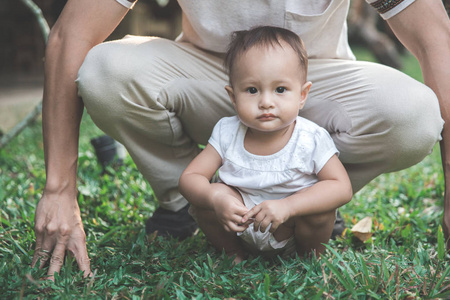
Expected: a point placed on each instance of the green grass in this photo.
(403, 260)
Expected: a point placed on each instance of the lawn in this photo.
(404, 258)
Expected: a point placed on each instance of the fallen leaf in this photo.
(363, 229)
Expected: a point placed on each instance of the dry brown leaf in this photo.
(363, 229)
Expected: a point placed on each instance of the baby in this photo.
(280, 180)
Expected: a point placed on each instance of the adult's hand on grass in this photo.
(58, 227)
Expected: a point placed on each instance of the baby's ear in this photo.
(304, 93)
(230, 92)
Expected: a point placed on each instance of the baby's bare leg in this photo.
(215, 232)
(284, 231)
(311, 232)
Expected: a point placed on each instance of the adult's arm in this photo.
(58, 227)
(424, 28)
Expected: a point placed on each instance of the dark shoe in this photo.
(339, 226)
(108, 150)
(178, 224)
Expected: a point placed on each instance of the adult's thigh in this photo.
(173, 91)
(160, 99)
(380, 119)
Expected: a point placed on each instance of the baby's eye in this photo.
(252, 90)
(281, 89)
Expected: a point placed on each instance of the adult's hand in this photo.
(58, 228)
(81, 25)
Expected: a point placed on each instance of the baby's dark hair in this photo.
(263, 36)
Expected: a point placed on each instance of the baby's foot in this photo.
(237, 256)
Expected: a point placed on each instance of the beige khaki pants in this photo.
(162, 98)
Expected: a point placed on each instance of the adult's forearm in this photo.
(424, 28)
(81, 25)
(436, 72)
(435, 64)
(62, 111)
(58, 226)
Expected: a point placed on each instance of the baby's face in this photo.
(268, 88)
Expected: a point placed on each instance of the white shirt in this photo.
(320, 23)
(272, 176)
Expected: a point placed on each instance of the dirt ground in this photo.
(19, 94)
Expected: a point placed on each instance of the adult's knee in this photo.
(119, 87)
(102, 79)
(414, 128)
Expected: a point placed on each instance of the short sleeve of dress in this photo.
(223, 134)
(127, 3)
(214, 140)
(389, 8)
(324, 149)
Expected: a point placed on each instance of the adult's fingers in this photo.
(82, 257)
(57, 259)
(40, 255)
(36, 255)
(43, 250)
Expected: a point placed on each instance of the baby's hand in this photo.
(229, 211)
(274, 212)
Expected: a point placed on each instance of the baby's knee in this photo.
(317, 221)
(199, 213)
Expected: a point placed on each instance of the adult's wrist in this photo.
(60, 185)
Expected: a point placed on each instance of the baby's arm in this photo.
(331, 192)
(195, 186)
